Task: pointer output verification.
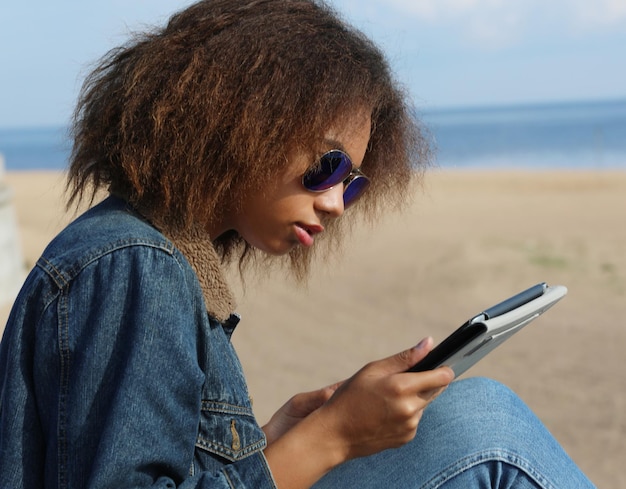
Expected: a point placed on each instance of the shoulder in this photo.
(111, 227)
(113, 222)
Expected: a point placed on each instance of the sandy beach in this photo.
(471, 239)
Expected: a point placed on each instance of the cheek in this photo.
(268, 225)
(261, 220)
(265, 220)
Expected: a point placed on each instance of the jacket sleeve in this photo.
(130, 385)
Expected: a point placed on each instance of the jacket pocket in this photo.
(229, 431)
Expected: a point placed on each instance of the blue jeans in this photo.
(477, 434)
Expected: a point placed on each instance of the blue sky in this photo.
(446, 52)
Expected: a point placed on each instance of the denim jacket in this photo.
(114, 375)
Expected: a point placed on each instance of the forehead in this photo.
(351, 135)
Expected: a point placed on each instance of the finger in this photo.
(310, 401)
(401, 362)
(432, 380)
(427, 386)
(432, 394)
(333, 387)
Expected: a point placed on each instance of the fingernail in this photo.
(422, 343)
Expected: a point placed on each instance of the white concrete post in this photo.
(12, 269)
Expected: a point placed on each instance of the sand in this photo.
(472, 238)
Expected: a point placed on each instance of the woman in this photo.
(241, 129)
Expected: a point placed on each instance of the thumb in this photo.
(307, 402)
(401, 362)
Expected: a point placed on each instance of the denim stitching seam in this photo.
(489, 455)
(64, 353)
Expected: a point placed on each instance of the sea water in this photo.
(35, 148)
(589, 135)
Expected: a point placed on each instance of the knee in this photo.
(483, 390)
(482, 420)
(480, 408)
(480, 392)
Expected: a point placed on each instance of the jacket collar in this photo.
(197, 247)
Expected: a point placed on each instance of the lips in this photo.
(305, 233)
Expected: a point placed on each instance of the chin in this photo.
(281, 251)
(275, 249)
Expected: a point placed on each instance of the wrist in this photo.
(312, 446)
(325, 436)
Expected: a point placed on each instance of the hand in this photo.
(378, 408)
(295, 410)
(381, 405)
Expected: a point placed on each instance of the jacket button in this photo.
(236, 440)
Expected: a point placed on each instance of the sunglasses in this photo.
(332, 169)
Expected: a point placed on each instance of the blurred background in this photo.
(521, 83)
(526, 103)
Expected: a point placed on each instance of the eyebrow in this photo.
(334, 144)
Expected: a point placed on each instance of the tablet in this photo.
(490, 328)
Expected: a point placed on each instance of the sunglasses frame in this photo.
(351, 176)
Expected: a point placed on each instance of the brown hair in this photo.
(186, 118)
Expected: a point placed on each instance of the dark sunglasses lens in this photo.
(331, 170)
(354, 190)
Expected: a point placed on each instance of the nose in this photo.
(331, 201)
